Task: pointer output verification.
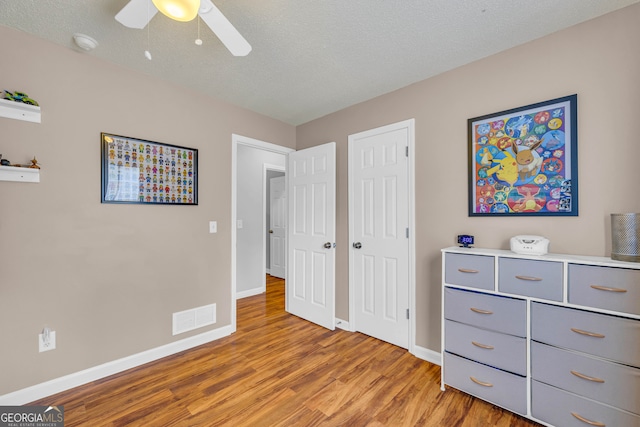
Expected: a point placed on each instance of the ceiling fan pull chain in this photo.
(147, 53)
(199, 40)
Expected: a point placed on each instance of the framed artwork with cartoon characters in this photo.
(523, 161)
(139, 171)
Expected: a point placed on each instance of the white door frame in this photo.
(410, 126)
(237, 140)
(266, 167)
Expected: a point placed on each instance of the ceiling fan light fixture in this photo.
(179, 10)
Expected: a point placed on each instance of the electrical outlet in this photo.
(47, 340)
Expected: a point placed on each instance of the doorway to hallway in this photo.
(251, 160)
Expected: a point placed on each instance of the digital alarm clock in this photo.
(465, 240)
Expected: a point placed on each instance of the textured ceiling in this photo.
(310, 57)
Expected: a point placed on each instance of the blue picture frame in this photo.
(524, 161)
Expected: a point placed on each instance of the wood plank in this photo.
(280, 370)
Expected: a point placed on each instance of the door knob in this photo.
(270, 231)
(357, 245)
(327, 245)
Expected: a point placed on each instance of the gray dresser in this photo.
(554, 338)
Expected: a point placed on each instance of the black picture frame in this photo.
(139, 171)
(524, 161)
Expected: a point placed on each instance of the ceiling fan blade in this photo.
(137, 14)
(221, 26)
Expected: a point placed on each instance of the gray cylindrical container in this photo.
(625, 236)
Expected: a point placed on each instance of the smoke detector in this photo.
(85, 42)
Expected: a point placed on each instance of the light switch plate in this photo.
(213, 226)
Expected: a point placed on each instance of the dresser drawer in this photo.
(539, 279)
(502, 351)
(611, 337)
(609, 288)
(556, 407)
(493, 385)
(607, 382)
(501, 314)
(474, 271)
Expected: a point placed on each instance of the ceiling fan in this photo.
(138, 13)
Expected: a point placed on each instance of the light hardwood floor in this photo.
(280, 370)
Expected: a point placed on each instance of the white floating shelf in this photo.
(12, 173)
(19, 111)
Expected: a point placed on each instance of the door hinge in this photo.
(407, 232)
(406, 151)
(407, 314)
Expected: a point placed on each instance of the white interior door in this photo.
(311, 189)
(378, 228)
(277, 227)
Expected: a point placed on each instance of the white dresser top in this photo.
(576, 259)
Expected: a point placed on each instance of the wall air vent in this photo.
(194, 318)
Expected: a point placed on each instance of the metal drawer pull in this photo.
(480, 311)
(587, 333)
(485, 346)
(482, 383)
(608, 289)
(591, 423)
(467, 270)
(587, 377)
(529, 278)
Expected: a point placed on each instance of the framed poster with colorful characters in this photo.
(523, 162)
(140, 171)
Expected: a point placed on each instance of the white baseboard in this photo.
(38, 391)
(428, 355)
(343, 324)
(250, 293)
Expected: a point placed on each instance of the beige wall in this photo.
(105, 277)
(599, 60)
